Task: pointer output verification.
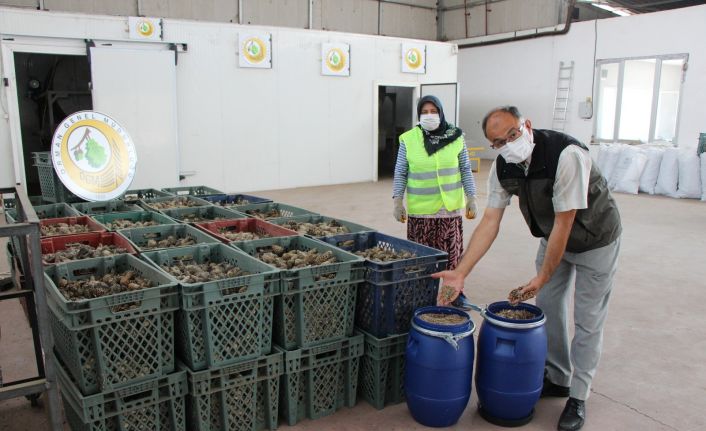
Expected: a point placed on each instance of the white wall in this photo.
(246, 129)
(524, 73)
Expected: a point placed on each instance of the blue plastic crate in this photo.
(235, 200)
(427, 261)
(385, 309)
(392, 290)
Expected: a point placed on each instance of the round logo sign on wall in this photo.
(93, 156)
(335, 60)
(145, 28)
(254, 50)
(413, 58)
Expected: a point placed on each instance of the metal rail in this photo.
(27, 229)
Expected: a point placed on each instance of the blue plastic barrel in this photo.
(510, 365)
(439, 368)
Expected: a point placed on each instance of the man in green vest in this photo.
(565, 201)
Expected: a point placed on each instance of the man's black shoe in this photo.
(573, 416)
(552, 390)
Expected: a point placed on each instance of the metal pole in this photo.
(240, 11)
(439, 20)
(34, 276)
(44, 332)
(311, 14)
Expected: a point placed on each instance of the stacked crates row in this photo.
(316, 346)
(105, 386)
(387, 298)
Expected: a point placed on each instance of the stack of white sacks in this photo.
(653, 169)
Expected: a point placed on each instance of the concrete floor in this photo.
(652, 374)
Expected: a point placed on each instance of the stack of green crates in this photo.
(382, 370)
(224, 339)
(313, 329)
(115, 353)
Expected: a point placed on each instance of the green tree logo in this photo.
(88, 148)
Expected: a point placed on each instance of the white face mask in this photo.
(518, 150)
(429, 122)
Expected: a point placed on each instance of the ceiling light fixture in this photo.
(613, 9)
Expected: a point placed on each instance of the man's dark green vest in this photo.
(594, 227)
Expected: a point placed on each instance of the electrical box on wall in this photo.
(586, 109)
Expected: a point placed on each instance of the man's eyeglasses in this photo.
(511, 136)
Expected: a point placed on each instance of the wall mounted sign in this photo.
(255, 50)
(414, 58)
(93, 156)
(336, 59)
(145, 28)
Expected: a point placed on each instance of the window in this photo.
(638, 98)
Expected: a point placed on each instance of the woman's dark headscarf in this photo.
(445, 134)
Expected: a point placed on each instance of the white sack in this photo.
(689, 179)
(611, 160)
(648, 180)
(628, 170)
(668, 173)
(601, 157)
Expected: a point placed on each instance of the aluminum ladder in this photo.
(565, 79)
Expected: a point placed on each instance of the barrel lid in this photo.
(489, 314)
(466, 326)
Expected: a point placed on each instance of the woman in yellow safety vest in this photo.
(433, 166)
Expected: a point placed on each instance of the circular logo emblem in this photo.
(254, 50)
(93, 156)
(335, 60)
(413, 58)
(145, 28)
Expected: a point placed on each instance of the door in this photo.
(447, 93)
(137, 87)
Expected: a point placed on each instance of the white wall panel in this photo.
(525, 72)
(502, 17)
(407, 21)
(101, 7)
(20, 3)
(245, 129)
(284, 13)
(355, 16)
(207, 10)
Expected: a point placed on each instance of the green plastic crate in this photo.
(53, 190)
(382, 370)
(46, 211)
(9, 200)
(106, 220)
(136, 195)
(115, 206)
(193, 191)
(217, 324)
(284, 210)
(202, 214)
(352, 227)
(239, 397)
(59, 210)
(158, 404)
(149, 204)
(113, 341)
(317, 303)
(318, 381)
(140, 235)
